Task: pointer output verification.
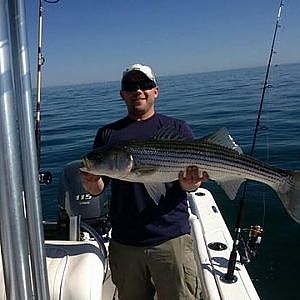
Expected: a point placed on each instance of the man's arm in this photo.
(92, 183)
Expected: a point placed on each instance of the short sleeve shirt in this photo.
(135, 218)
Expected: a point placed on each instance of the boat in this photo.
(69, 260)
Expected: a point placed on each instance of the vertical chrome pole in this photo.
(28, 148)
(14, 240)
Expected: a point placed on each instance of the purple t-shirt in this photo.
(135, 218)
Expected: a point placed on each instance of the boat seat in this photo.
(75, 270)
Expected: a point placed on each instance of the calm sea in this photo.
(207, 101)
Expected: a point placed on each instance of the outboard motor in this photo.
(75, 204)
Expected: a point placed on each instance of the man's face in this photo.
(139, 94)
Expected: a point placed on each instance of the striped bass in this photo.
(156, 161)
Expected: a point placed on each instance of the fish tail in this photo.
(291, 197)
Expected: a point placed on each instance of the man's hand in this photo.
(191, 179)
(92, 183)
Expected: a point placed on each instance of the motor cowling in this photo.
(74, 200)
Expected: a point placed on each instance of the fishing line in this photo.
(265, 129)
(229, 277)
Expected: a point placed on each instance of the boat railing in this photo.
(20, 204)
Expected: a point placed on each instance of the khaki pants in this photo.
(168, 269)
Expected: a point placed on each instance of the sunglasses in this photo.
(132, 86)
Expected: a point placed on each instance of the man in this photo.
(151, 248)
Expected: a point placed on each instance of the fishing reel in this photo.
(252, 245)
(45, 177)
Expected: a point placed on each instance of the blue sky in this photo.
(94, 40)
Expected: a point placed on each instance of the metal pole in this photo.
(14, 240)
(28, 148)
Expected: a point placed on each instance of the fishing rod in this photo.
(40, 62)
(255, 231)
(45, 177)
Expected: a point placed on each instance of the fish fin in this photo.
(143, 170)
(222, 137)
(83, 169)
(230, 185)
(291, 197)
(155, 190)
(168, 133)
(86, 170)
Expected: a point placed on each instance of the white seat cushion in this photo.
(75, 271)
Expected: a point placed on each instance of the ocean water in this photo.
(207, 101)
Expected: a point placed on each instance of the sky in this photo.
(86, 41)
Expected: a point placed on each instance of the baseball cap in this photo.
(146, 70)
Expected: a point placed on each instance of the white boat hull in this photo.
(208, 227)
